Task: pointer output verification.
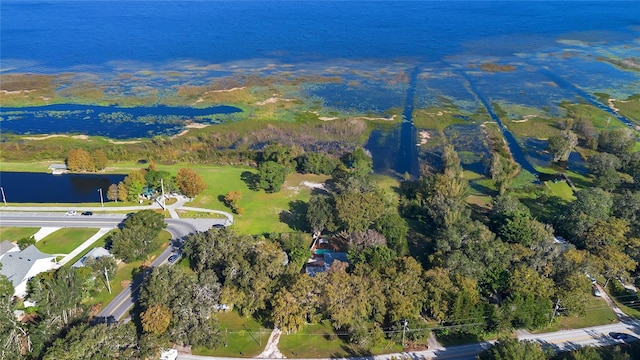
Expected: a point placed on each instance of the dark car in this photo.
(173, 258)
(87, 213)
(619, 336)
(109, 320)
(218, 226)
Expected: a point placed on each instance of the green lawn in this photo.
(65, 240)
(597, 313)
(320, 340)
(16, 233)
(243, 336)
(560, 189)
(262, 211)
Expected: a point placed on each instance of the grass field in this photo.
(597, 313)
(244, 337)
(16, 233)
(64, 240)
(321, 341)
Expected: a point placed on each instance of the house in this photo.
(93, 254)
(324, 263)
(20, 266)
(58, 169)
(7, 246)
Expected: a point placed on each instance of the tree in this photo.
(12, 333)
(604, 167)
(100, 160)
(502, 170)
(320, 213)
(619, 142)
(272, 176)
(134, 183)
(356, 212)
(112, 192)
(189, 182)
(512, 349)
(395, 229)
(123, 192)
(232, 200)
(134, 242)
(149, 219)
(561, 145)
(79, 160)
(156, 319)
(317, 163)
(25, 242)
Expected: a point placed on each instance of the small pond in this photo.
(26, 187)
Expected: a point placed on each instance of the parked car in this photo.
(619, 336)
(596, 292)
(71, 213)
(173, 258)
(87, 213)
(218, 226)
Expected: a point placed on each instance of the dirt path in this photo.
(271, 351)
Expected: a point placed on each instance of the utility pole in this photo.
(101, 200)
(106, 275)
(555, 311)
(164, 205)
(4, 200)
(404, 324)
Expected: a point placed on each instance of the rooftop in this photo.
(16, 265)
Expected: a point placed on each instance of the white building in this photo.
(93, 254)
(20, 266)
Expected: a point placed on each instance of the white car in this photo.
(71, 213)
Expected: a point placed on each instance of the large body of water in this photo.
(64, 35)
(554, 46)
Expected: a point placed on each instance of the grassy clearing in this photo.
(321, 341)
(262, 211)
(65, 240)
(560, 189)
(124, 275)
(244, 337)
(598, 313)
(601, 119)
(15, 233)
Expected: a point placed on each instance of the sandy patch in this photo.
(124, 142)
(393, 117)
(424, 137)
(16, 92)
(201, 98)
(80, 137)
(272, 100)
(524, 119)
(190, 126)
(612, 104)
(312, 185)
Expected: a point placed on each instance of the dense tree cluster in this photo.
(81, 160)
(138, 237)
(152, 181)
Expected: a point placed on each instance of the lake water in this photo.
(24, 187)
(554, 47)
(110, 121)
(65, 35)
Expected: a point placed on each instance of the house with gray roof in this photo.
(93, 254)
(7, 246)
(20, 266)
